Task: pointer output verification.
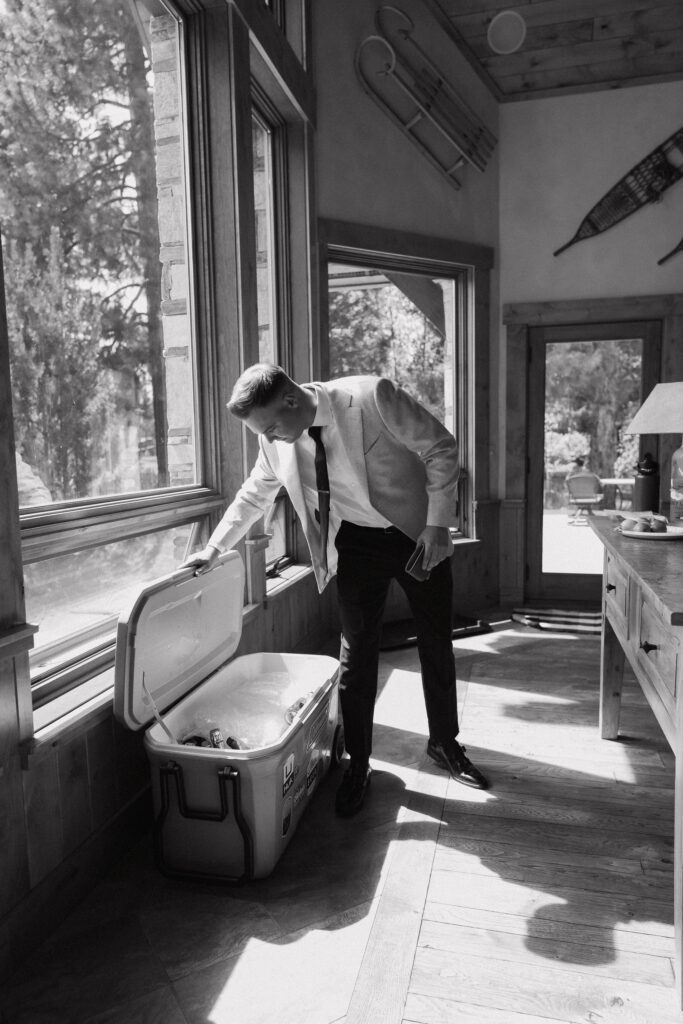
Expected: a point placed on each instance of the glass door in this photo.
(585, 384)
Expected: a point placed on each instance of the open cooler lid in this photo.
(179, 630)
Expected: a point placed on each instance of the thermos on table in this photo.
(646, 485)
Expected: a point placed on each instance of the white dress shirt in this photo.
(346, 501)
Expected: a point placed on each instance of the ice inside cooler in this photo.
(254, 708)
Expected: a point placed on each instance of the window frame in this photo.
(273, 154)
(74, 525)
(290, 117)
(224, 289)
(265, 112)
(468, 266)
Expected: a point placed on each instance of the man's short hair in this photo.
(257, 386)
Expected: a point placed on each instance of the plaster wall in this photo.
(558, 158)
(368, 172)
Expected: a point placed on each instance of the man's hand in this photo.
(201, 561)
(437, 544)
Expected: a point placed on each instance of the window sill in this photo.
(91, 702)
(65, 716)
(288, 576)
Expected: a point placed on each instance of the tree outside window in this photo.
(397, 325)
(93, 214)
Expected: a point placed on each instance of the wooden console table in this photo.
(643, 621)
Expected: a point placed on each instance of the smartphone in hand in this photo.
(414, 565)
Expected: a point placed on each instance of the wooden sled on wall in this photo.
(395, 71)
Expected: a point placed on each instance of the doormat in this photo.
(402, 633)
(558, 621)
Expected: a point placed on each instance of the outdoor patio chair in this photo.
(585, 492)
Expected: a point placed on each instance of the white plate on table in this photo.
(672, 533)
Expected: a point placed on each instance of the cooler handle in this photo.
(174, 770)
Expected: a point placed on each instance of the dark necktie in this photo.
(322, 483)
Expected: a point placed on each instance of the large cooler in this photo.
(221, 814)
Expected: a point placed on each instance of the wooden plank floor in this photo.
(550, 896)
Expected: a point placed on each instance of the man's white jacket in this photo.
(401, 457)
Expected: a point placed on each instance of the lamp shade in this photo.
(661, 412)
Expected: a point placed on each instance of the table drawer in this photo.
(658, 652)
(616, 594)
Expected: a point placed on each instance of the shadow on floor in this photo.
(552, 845)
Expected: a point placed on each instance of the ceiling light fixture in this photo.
(506, 32)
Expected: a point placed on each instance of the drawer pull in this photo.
(610, 587)
(647, 647)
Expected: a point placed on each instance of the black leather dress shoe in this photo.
(452, 757)
(354, 786)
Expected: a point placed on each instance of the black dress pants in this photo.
(368, 560)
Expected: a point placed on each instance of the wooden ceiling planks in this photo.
(572, 45)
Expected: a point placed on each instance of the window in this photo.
(131, 290)
(94, 212)
(264, 203)
(267, 145)
(77, 597)
(95, 252)
(407, 319)
(395, 325)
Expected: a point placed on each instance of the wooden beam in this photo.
(573, 311)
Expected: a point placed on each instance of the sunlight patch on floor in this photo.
(400, 704)
(465, 795)
(501, 640)
(313, 968)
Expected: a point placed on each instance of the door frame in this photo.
(540, 586)
(518, 319)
